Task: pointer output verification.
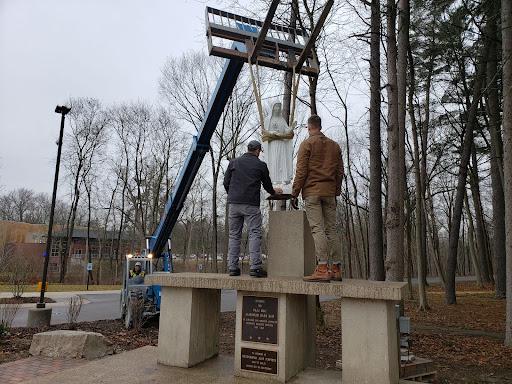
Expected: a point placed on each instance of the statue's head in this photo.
(277, 110)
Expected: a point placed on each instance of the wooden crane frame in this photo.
(267, 44)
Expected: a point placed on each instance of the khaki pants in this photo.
(321, 213)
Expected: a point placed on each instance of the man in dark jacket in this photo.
(242, 181)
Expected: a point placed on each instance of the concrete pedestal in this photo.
(291, 253)
(39, 317)
(369, 338)
(291, 250)
(189, 326)
(283, 357)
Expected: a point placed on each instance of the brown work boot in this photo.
(321, 274)
(336, 272)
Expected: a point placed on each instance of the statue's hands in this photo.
(294, 202)
(293, 125)
(278, 191)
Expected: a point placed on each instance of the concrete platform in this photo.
(349, 288)
(140, 366)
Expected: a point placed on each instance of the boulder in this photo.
(70, 344)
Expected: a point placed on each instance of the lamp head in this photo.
(62, 109)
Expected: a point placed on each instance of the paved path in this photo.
(98, 305)
(20, 371)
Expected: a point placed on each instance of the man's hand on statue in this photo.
(278, 191)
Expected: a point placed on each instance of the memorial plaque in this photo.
(259, 360)
(259, 319)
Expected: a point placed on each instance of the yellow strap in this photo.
(257, 96)
(295, 87)
(271, 136)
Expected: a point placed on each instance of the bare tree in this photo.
(88, 127)
(506, 25)
(376, 252)
(493, 110)
(461, 181)
(17, 204)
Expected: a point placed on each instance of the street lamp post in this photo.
(63, 110)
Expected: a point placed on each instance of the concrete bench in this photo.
(275, 309)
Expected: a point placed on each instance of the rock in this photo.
(70, 344)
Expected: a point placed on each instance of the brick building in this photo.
(29, 240)
(102, 246)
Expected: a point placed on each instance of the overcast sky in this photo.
(51, 50)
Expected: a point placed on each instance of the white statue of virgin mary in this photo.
(278, 146)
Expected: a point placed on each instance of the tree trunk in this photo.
(420, 257)
(472, 248)
(87, 243)
(506, 39)
(461, 181)
(397, 67)
(434, 236)
(480, 231)
(214, 217)
(498, 198)
(375, 237)
(408, 236)
(67, 246)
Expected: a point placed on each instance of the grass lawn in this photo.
(65, 288)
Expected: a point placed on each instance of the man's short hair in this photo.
(253, 145)
(315, 120)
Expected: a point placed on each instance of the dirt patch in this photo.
(24, 300)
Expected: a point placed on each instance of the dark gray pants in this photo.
(238, 213)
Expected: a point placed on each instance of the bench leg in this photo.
(369, 342)
(189, 326)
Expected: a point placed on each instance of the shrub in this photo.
(21, 271)
(74, 307)
(7, 314)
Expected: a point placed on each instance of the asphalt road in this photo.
(104, 306)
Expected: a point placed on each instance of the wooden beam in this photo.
(316, 31)
(263, 32)
(262, 61)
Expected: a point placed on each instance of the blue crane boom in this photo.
(200, 145)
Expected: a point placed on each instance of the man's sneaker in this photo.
(259, 272)
(321, 274)
(336, 272)
(234, 272)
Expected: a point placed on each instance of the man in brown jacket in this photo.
(318, 175)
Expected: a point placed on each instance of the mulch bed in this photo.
(455, 337)
(24, 300)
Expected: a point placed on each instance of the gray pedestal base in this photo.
(291, 253)
(279, 359)
(370, 341)
(189, 326)
(39, 317)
